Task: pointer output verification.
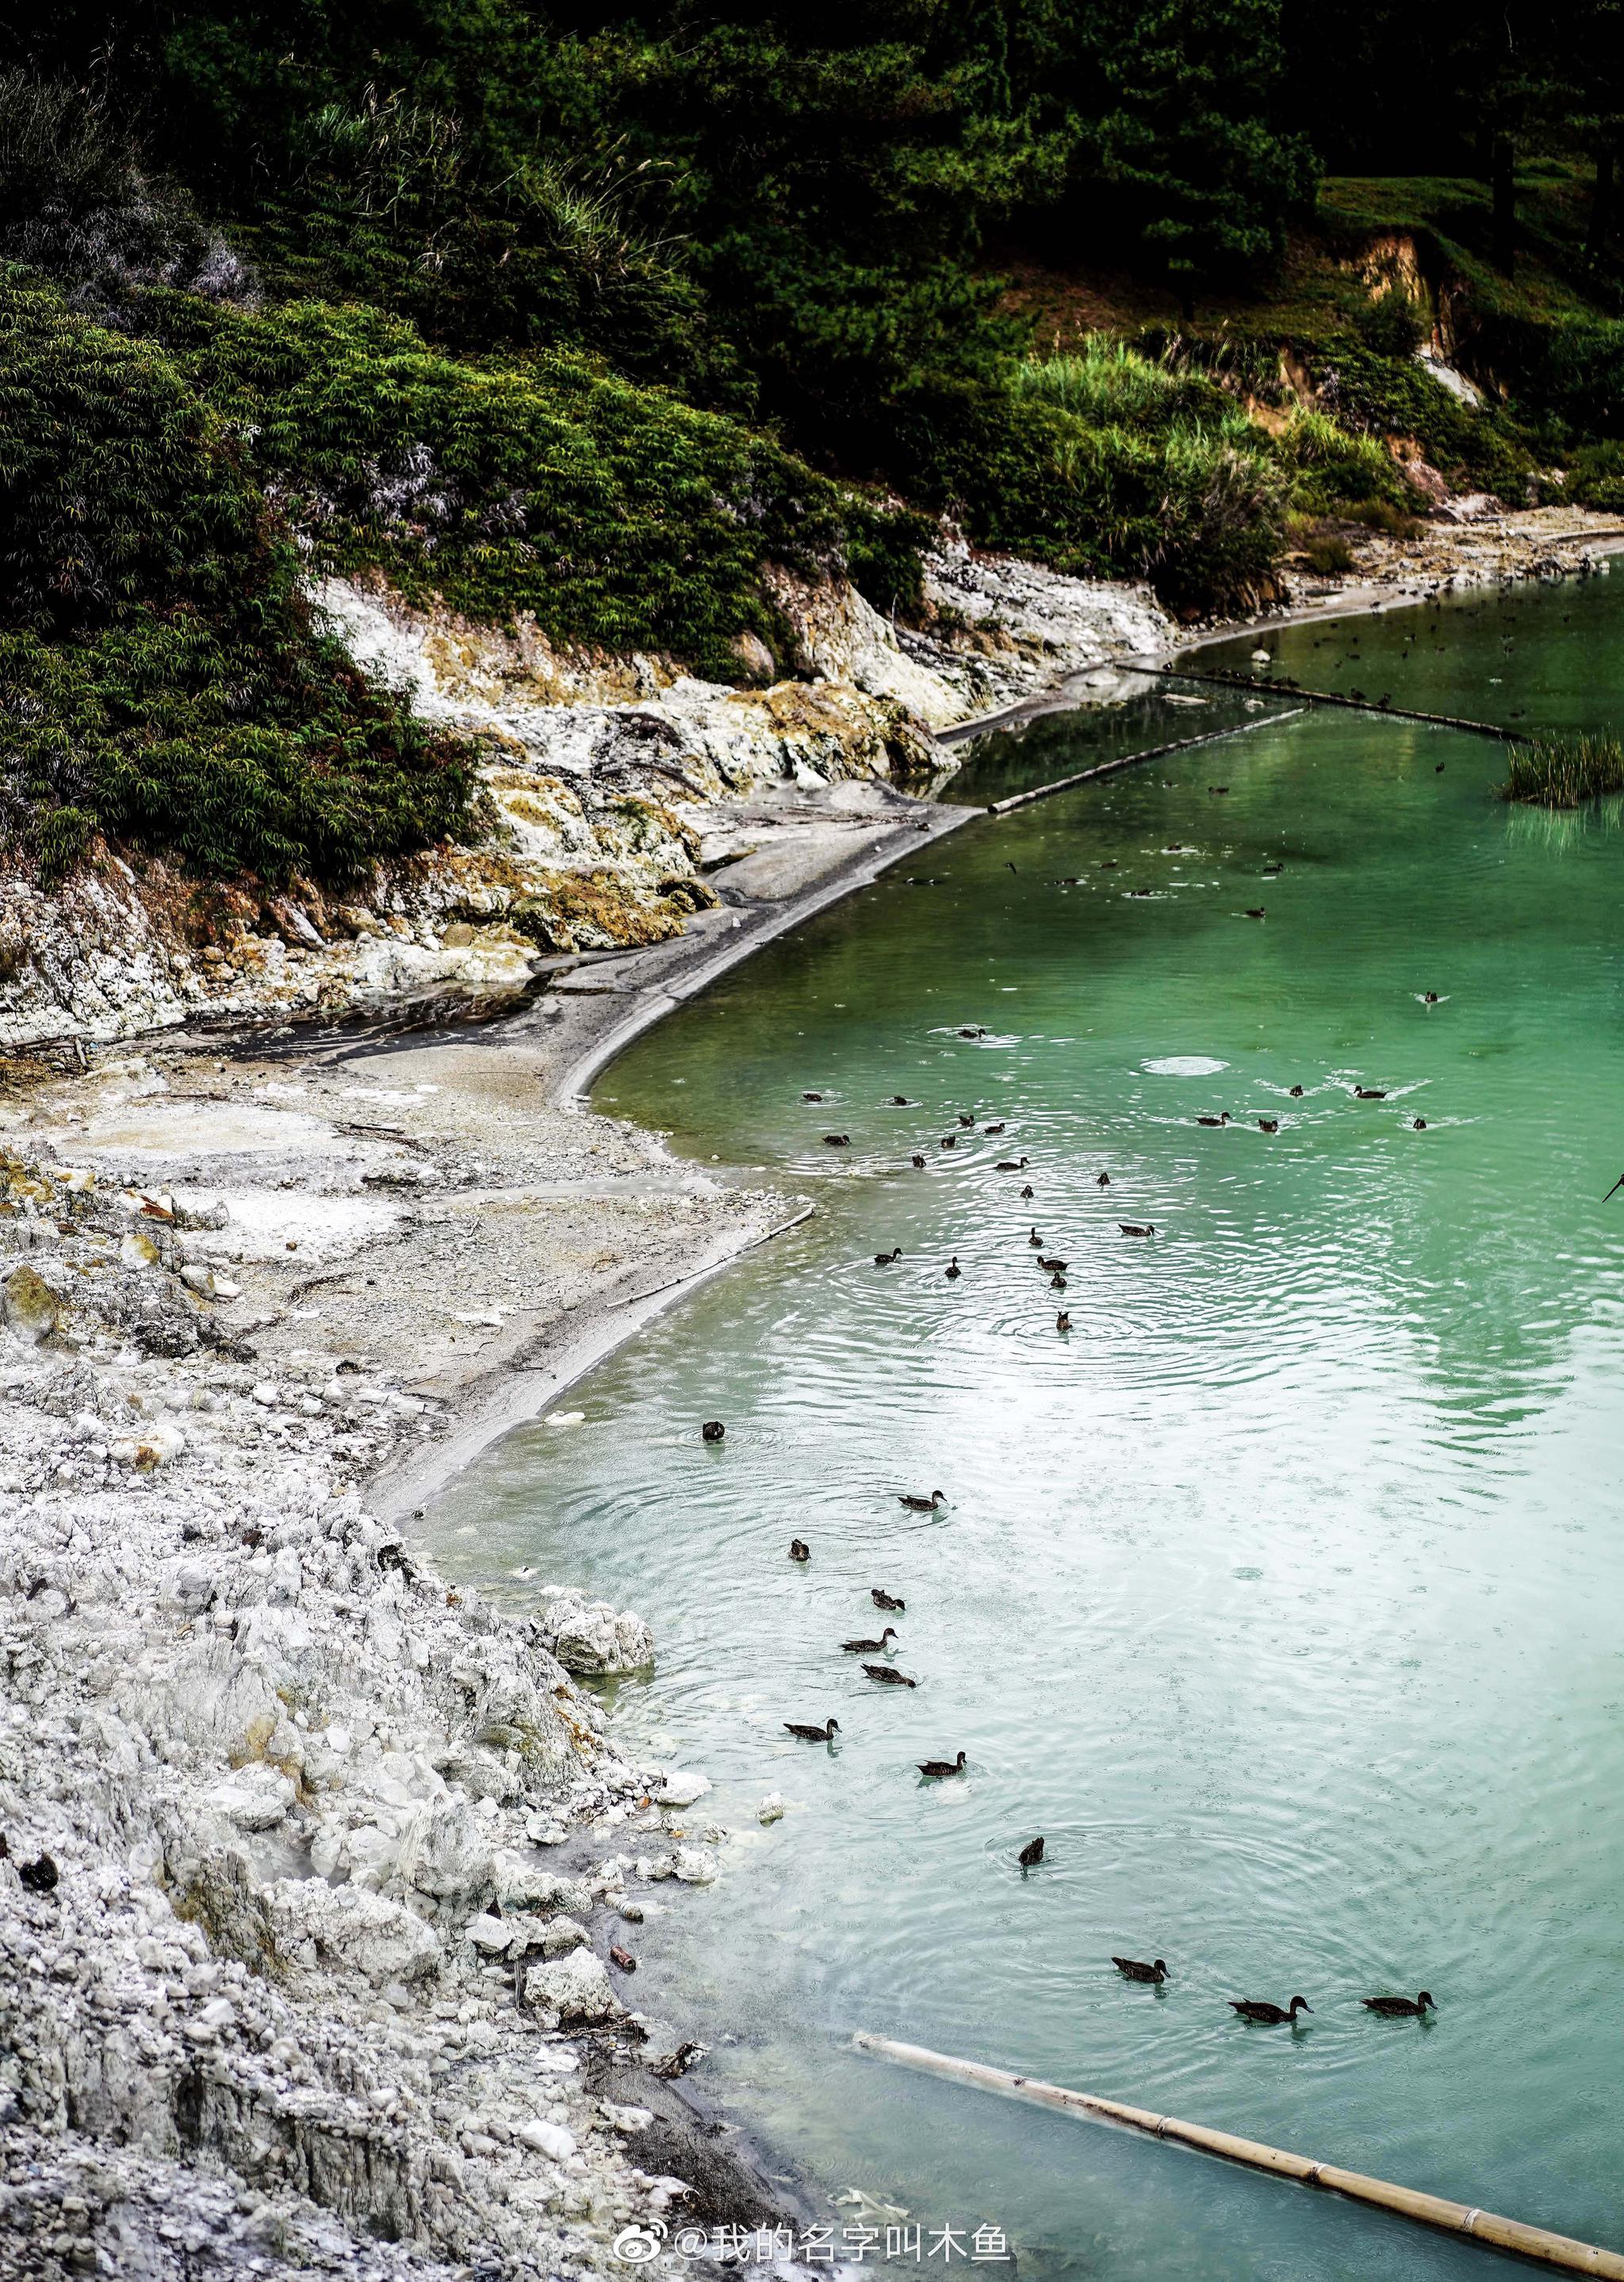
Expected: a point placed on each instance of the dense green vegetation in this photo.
(1565, 771)
(591, 313)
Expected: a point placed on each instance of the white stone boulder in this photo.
(254, 1797)
(345, 1929)
(572, 1991)
(589, 1636)
(682, 1790)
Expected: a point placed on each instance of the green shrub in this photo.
(1333, 467)
(1596, 478)
(1392, 325)
(1110, 385)
(160, 679)
(76, 204)
(617, 515)
(1328, 554)
(1565, 771)
(1197, 509)
(1389, 396)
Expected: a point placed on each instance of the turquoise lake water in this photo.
(1281, 1594)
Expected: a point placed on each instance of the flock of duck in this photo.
(1257, 2011)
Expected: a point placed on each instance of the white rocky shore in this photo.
(314, 1869)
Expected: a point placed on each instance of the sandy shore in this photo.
(319, 1876)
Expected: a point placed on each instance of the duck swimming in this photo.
(1268, 1125)
(712, 1431)
(811, 1097)
(1134, 1228)
(871, 1648)
(1257, 911)
(950, 1141)
(1369, 1093)
(921, 1504)
(1132, 1969)
(1028, 1192)
(884, 1259)
(1101, 1180)
(1057, 1282)
(1034, 1239)
(1296, 1092)
(800, 1550)
(1221, 1119)
(1418, 1125)
(918, 1163)
(1250, 2009)
(953, 1271)
(900, 1101)
(937, 1768)
(1031, 1854)
(889, 1674)
(1400, 2008)
(992, 1129)
(966, 1121)
(1063, 1321)
(882, 1599)
(1054, 1267)
(1013, 1165)
(837, 1140)
(826, 1733)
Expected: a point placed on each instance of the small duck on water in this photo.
(1268, 1125)
(870, 1647)
(1401, 2008)
(937, 1768)
(1221, 1119)
(1031, 1854)
(826, 1733)
(1063, 1321)
(1136, 1228)
(1296, 1091)
(800, 1550)
(1133, 1968)
(1034, 1239)
(882, 1599)
(918, 1163)
(1012, 1165)
(1101, 1180)
(1027, 1193)
(884, 1259)
(1252, 2008)
(891, 1676)
(953, 1271)
(921, 1504)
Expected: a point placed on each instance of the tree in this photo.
(1177, 104)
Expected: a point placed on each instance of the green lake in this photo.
(1281, 1594)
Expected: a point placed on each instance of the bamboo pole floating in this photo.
(1329, 697)
(1131, 760)
(1475, 2225)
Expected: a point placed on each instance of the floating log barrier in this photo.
(1282, 687)
(1535, 2242)
(1131, 760)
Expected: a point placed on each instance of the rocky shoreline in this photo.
(321, 1879)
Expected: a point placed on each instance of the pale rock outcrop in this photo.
(589, 1636)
